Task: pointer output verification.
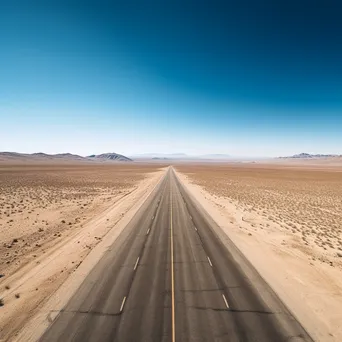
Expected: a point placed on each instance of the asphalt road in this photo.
(173, 275)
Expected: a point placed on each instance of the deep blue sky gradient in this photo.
(256, 78)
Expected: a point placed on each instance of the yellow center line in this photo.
(172, 276)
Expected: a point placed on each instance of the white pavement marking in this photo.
(225, 300)
(190, 217)
(196, 229)
(136, 264)
(123, 303)
(210, 262)
(148, 230)
(152, 217)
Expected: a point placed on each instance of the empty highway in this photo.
(172, 275)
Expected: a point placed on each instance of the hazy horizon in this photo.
(256, 80)
(179, 156)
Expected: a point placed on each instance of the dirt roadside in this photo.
(311, 289)
(50, 280)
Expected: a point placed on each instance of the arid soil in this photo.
(288, 221)
(306, 204)
(51, 217)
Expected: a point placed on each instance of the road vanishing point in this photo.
(173, 275)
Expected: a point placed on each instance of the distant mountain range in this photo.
(15, 156)
(181, 156)
(62, 157)
(110, 156)
(115, 157)
(311, 156)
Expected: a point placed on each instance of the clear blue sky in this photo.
(252, 78)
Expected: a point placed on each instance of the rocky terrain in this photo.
(109, 156)
(312, 156)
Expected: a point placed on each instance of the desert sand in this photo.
(287, 220)
(56, 221)
(51, 218)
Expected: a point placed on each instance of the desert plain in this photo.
(286, 218)
(51, 217)
(56, 220)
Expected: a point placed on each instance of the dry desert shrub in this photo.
(39, 202)
(305, 202)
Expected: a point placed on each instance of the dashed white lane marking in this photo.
(190, 217)
(152, 217)
(136, 263)
(225, 300)
(148, 230)
(196, 229)
(123, 303)
(210, 262)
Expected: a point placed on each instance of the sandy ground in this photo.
(288, 223)
(51, 218)
(322, 163)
